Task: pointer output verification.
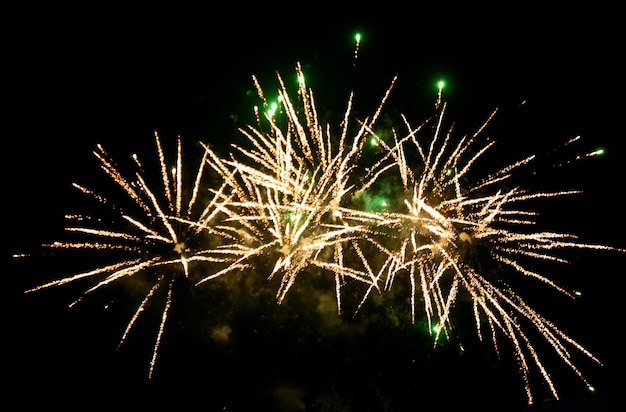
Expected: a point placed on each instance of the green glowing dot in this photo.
(293, 217)
(449, 172)
(441, 84)
(374, 141)
(357, 37)
(301, 78)
(591, 388)
(599, 151)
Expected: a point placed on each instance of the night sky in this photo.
(80, 78)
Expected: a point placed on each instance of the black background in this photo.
(77, 78)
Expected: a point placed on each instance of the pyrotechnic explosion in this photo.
(299, 195)
(161, 241)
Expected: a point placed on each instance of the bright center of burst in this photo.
(179, 248)
(465, 237)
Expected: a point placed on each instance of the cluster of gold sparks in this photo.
(293, 193)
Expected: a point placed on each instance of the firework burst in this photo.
(290, 189)
(161, 238)
(447, 227)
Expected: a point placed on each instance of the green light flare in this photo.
(440, 86)
(379, 203)
(293, 217)
(272, 109)
(357, 39)
(372, 202)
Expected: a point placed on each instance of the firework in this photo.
(306, 196)
(290, 191)
(444, 218)
(162, 239)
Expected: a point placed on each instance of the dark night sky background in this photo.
(79, 78)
